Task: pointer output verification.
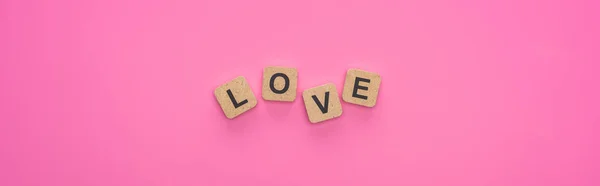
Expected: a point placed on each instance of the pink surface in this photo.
(473, 92)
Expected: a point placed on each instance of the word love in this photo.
(280, 84)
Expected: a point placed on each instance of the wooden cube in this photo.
(279, 83)
(322, 103)
(361, 87)
(235, 97)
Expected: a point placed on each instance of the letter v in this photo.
(325, 108)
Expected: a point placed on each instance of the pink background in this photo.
(473, 92)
